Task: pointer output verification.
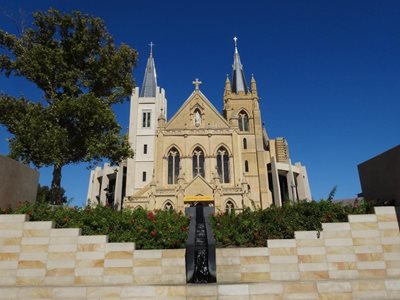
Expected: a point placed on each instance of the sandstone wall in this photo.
(34, 253)
(355, 260)
(368, 246)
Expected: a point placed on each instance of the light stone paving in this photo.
(355, 260)
(327, 289)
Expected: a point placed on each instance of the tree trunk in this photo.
(56, 197)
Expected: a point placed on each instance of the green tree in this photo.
(44, 194)
(74, 61)
(332, 193)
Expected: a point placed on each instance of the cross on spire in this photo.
(235, 40)
(151, 48)
(197, 83)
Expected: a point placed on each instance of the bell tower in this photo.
(241, 110)
(237, 95)
(148, 106)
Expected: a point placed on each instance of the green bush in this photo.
(168, 229)
(148, 230)
(253, 228)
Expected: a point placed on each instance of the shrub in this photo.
(148, 230)
(168, 229)
(254, 228)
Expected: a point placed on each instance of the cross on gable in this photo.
(197, 83)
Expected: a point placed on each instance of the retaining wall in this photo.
(368, 246)
(34, 253)
(355, 260)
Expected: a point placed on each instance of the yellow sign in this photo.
(198, 198)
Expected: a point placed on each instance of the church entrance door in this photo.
(202, 204)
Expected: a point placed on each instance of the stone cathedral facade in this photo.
(200, 156)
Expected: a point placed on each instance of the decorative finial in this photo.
(197, 83)
(151, 48)
(161, 117)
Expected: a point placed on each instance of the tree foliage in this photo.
(74, 61)
(332, 193)
(44, 195)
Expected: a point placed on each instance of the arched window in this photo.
(243, 121)
(198, 162)
(223, 164)
(168, 206)
(244, 143)
(246, 166)
(229, 207)
(173, 166)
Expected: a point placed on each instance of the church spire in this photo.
(228, 87)
(238, 80)
(253, 85)
(149, 85)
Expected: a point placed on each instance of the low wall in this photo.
(368, 246)
(355, 260)
(34, 253)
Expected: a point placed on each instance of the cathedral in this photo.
(200, 156)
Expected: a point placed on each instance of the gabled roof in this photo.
(198, 186)
(195, 97)
(142, 191)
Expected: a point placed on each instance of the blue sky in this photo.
(328, 72)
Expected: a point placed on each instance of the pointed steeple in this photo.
(228, 87)
(238, 79)
(253, 85)
(149, 86)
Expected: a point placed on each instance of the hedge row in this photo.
(148, 230)
(168, 229)
(253, 228)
